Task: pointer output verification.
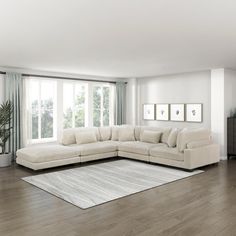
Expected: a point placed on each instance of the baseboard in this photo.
(223, 158)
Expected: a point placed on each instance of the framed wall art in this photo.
(177, 112)
(162, 111)
(194, 112)
(149, 111)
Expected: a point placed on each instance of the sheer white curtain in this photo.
(120, 114)
(1, 91)
(27, 126)
(13, 91)
(1, 88)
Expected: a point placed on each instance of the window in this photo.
(75, 98)
(41, 110)
(54, 105)
(101, 105)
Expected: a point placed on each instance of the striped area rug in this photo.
(100, 183)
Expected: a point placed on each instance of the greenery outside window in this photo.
(42, 110)
(101, 105)
(75, 96)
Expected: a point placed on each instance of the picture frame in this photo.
(194, 112)
(162, 111)
(177, 112)
(149, 111)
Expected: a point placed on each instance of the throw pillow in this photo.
(68, 137)
(150, 136)
(115, 133)
(165, 135)
(172, 139)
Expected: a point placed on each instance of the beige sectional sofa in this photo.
(183, 148)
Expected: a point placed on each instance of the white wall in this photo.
(217, 107)
(132, 103)
(223, 101)
(230, 88)
(181, 88)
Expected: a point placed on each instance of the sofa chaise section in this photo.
(47, 156)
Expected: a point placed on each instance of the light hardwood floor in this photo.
(204, 204)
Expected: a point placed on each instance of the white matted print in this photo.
(162, 111)
(194, 112)
(177, 112)
(149, 111)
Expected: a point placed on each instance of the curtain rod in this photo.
(61, 77)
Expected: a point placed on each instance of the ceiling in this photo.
(118, 38)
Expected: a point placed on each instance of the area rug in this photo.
(100, 183)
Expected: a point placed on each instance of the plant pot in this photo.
(5, 160)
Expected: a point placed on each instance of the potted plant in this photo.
(6, 110)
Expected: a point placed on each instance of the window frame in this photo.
(74, 83)
(111, 105)
(40, 139)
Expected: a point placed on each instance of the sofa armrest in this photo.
(201, 156)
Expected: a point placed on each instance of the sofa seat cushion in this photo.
(95, 148)
(46, 153)
(137, 147)
(167, 152)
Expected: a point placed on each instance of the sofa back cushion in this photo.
(186, 136)
(85, 136)
(126, 133)
(137, 130)
(105, 133)
(68, 135)
(197, 144)
(149, 136)
(115, 133)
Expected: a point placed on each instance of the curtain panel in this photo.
(13, 86)
(120, 103)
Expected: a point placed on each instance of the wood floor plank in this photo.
(204, 204)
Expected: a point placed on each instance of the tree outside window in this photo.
(101, 106)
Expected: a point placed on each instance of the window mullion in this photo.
(89, 105)
(59, 111)
(40, 111)
(111, 105)
(101, 117)
(73, 105)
